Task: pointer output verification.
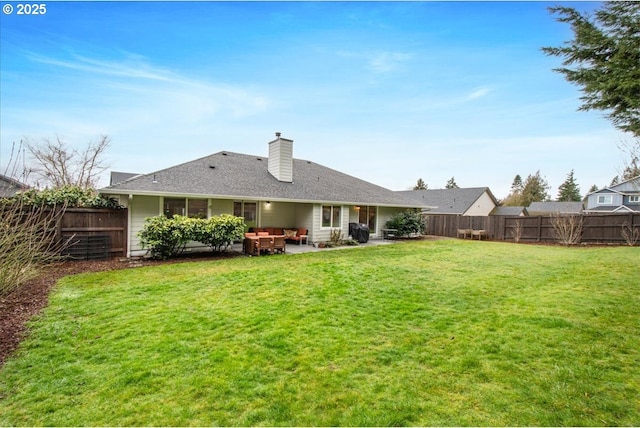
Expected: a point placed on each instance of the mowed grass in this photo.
(448, 332)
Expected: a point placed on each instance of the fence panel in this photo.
(96, 227)
(597, 228)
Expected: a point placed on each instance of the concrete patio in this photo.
(299, 249)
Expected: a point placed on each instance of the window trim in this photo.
(369, 209)
(331, 216)
(635, 199)
(604, 200)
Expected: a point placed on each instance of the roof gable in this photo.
(629, 186)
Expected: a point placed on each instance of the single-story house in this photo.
(272, 191)
(474, 201)
(512, 211)
(555, 208)
(621, 198)
(10, 186)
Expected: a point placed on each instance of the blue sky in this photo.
(386, 91)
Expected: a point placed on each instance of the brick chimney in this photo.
(281, 159)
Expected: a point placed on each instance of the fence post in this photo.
(539, 228)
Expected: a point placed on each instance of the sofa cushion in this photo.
(290, 233)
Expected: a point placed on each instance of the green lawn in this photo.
(445, 332)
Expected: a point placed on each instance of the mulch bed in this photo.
(17, 308)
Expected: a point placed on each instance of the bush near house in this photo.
(168, 237)
(407, 223)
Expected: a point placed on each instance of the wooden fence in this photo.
(596, 228)
(94, 233)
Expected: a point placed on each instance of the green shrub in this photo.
(220, 231)
(168, 237)
(163, 237)
(407, 223)
(69, 196)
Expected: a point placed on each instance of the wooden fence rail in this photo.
(596, 228)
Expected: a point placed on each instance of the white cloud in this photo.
(478, 93)
(134, 66)
(385, 62)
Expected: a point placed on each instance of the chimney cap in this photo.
(278, 134)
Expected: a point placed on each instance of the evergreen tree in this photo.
(420, 185)
(516, 186)
(569, 190)
(605, 56)
(451, 184)
(515, 196)
(535, 189)
(593, 188)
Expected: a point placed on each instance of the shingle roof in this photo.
(119, 177)
(447, 201)
(613, 209)
(509, 211)
(9, 186)
(542, 208)
(236, 175)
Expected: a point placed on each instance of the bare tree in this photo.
(516, 231)
(16, 168)
(60, 165)
(567, 228)
(28, 241)
(630, 233)
(631, 153)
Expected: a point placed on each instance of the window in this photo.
(197, 208)
(634, 199)
(367, 215)
(331, 216)
(174, 206)
(182, 206)
(248, 210)
(605, 200)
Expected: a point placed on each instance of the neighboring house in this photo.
(9, 186)
(551, 208)
(621, 198)
(510, 211)
(273, 191)
(476, 201)
(119, 177)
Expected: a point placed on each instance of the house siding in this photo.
(482, 206)
(616, 199)
(384, 215)
(141, 207)
(277, 214)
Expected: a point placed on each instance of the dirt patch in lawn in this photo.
(17, 308)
